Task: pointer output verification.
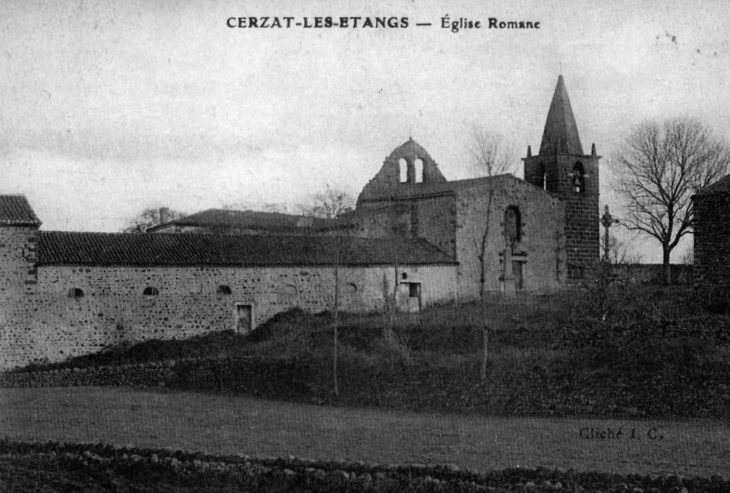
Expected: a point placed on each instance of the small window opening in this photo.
(403, 167)
(419, 170)
(578, 178)
(150, 291)
(223, 290)
(349, 288)
(404, 276)
(75, 293)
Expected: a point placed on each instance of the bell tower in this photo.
(562, 169)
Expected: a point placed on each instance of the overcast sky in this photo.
(110, 107)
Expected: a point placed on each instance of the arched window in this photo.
(349, 289)
(150, 291)
(577, 181)
(403, 169)
(75, 293)
(223, 290)
(419, 170)
(512, 226)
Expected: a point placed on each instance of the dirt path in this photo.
(233, 424)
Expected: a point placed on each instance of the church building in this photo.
(543, 230)
(414, 237)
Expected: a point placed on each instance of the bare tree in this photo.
(335, 321)
(329, 204)
(489, 153)
(148, 218)
(660, 167)
(490, 156)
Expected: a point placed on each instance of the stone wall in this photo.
(541, 247)
(18, 253)
(555, 173)
(653, 273)
(57, 322)
(711, 253)
(435, 221)
(389, 176)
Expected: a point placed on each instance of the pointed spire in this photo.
(561, 132)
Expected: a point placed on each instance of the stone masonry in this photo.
(711, 238)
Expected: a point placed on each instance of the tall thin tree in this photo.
(490, 155)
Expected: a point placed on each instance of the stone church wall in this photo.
(430, 218)
(542, 242)
(435, 221)
(53, 324)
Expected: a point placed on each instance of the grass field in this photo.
(219, 423)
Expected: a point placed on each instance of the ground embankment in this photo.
(663, 359)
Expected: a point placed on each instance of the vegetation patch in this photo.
(30, 467)
(597, 354)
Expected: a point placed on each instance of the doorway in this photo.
(409, 297)
(243, 318)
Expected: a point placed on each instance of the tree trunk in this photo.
(485, 338)
(666, 267)
(335, 335)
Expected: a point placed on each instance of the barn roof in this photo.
(257, 220)
(169, 250)
(16, 211)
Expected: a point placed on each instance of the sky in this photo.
(107, 108)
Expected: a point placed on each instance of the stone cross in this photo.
(607, 220)
(508, 276)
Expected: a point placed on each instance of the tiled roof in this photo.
(15, 210)
(246, 220)
(720, 186)
(120, 249)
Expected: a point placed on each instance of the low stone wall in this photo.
(147, 375)
(702, 392)
(255, 376)
(25, 465)
(653, 273)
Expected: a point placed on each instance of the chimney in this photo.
(165, 215)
